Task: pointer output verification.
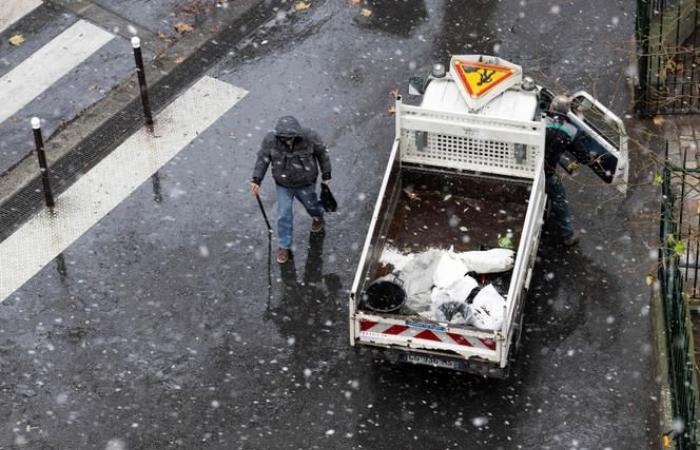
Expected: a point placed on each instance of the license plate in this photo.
(428, 360)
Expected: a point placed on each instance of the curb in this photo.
(661, 364)
(93, 134)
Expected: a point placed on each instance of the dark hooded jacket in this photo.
(562, 136)
(296, 165)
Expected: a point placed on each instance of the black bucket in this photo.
(384, 296)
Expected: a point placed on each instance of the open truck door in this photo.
(607, 139)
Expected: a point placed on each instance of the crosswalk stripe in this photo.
(13, 10)
(48, 64)
(95, 194)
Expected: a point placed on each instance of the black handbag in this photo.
(327, 200)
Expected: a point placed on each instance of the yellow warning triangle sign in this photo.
(479, 78)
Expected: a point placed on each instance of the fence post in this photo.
(43, 167)
(141, 74)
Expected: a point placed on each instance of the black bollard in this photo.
(43, 167)
(136, 44)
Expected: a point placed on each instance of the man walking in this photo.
(295, 154)
(562, 136)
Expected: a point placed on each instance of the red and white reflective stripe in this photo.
(369, 327)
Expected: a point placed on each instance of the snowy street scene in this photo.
(349, 224)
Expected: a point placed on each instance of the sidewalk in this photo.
(682, 140)
(90, 131)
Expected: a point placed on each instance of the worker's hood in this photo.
(288, 127)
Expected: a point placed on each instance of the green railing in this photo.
(677, 316)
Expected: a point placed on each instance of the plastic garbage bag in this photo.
(487, 309)
(460, 289)
(449, 269)
(417, 278)
(449, 304)
(444, 309)
(395, 258)
(488, 261)
(453, 312)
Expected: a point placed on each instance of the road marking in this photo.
(48, 64)
(13, 10)
(42, 238)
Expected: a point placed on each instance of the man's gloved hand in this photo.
(254, 188)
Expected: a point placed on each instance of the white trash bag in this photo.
(449, 304)
(488, 309)
(444, 309)
(449, 269)
(488, 261)
(460, 289)
(417, 276)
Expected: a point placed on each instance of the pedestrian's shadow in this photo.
(307, 308)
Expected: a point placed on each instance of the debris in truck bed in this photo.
(439, 285)
(480, 261)
(441, 211)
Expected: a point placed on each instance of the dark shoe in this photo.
(571, 239)
(283, 255)
(317, 225)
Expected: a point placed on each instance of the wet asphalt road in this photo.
(170, 328)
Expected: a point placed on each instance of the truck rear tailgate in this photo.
(395, 331)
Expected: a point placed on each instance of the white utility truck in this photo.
(466, 171)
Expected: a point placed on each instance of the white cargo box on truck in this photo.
(465, 137)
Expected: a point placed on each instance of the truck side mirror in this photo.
(416, 86)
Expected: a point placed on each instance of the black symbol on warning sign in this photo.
(485, 77)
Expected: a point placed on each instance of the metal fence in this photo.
(678, 269)
(668, 47)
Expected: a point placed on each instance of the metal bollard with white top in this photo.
(136, 44)
(43, 167)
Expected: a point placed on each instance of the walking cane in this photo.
(262, 210)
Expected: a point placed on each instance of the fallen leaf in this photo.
(355, 2)
(92, 87)
(183, 28)
(649, 280)
(161, 35)
(392, 109)
(159, 52)
(179, 60)
(17, 40)
(299, 6)
(395, 92)
(365, 12)
(658, 120)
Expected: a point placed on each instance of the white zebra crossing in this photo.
(94, 195)
(13, 10)
(48, 64)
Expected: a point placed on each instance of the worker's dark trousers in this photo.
(559, 205)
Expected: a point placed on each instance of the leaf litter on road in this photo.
(183, 28)
(17, 40)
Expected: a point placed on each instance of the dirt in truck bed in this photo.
(469, 213)
(437, 211)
